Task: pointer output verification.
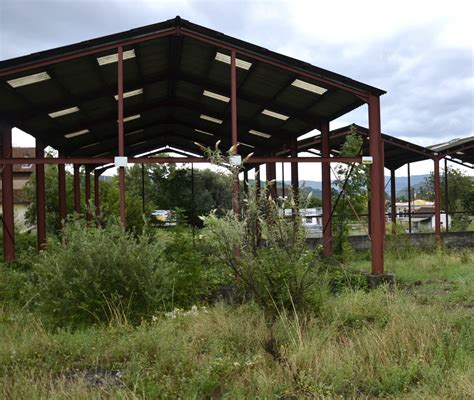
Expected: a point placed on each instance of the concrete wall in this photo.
(422, 240)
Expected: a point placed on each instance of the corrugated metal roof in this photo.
(73, 109)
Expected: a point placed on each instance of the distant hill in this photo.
(401, 184)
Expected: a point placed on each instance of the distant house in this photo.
(21, 175)
(422, 215)
(312, 219)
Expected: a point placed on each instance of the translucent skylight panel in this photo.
(77, 133)
(113, 58)
(29, 79)
(310, 87)
(131, 93)
(274, 114)
(211, 119)
(238, 62)
(261, 134)
(61, 113)
(216, 96)
(204, 132)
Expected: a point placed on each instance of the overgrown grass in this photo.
(400, 343)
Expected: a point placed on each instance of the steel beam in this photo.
(270, 176)
(326, 190)
(377, 188)
(294, 169)
(87, 52)
(87, 177)
(8, 218)
(393, 199)
(121, 137)
(437, 189)
(77, 188)
(409, 198)
(233, 116)
(40, 199)
(97, 174)
(177, 160)
(62, 206)
(446, 196)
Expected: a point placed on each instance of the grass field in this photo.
(414, 341)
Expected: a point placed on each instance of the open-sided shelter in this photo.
(111, 99)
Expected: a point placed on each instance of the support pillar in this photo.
(294, 170)
(437, 189)
(283, 180)
(7, 195)
(40, 199)
(446, 196)
(377, 192)
(97, 194)
(233, 112)
(121, 136)
(409, 198)
(88, 193)
(77, 189)
(326, 190)
(393, 199)
(271, 176)
(62, 206)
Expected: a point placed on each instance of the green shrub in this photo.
(267, 253)
(97, 274)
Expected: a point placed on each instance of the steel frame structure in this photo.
(377, 211)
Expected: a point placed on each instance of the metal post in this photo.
(377, 187)
(97, 194)
(88, 193)
(62, 194)
(193, 199)
(143, 188)
(270, 175)
(233, 106)
(409, 198)
(446, 196)
(437, 188)
(7, 196)
(121, 136)
(77, 188)
(283, 180)
(40, 199)
(326, 190)
(393, 199)
(294, 170)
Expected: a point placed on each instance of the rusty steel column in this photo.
(326, 190)
(409, 199)
(446, 197)
(283, 180)
(88, 194)
(40, 199)
(437, 189)
(294, 169)
(8, 217)
(97, 194)
(382, 183)
(393, 199)
(270, 176)
(258, 185)
(121, 136)
(377, 187)
(77, 188)
(233, 112)
(62, 206)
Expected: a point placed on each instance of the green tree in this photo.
(460, 195)
(351, 188)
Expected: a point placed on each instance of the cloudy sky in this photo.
(420, 52)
